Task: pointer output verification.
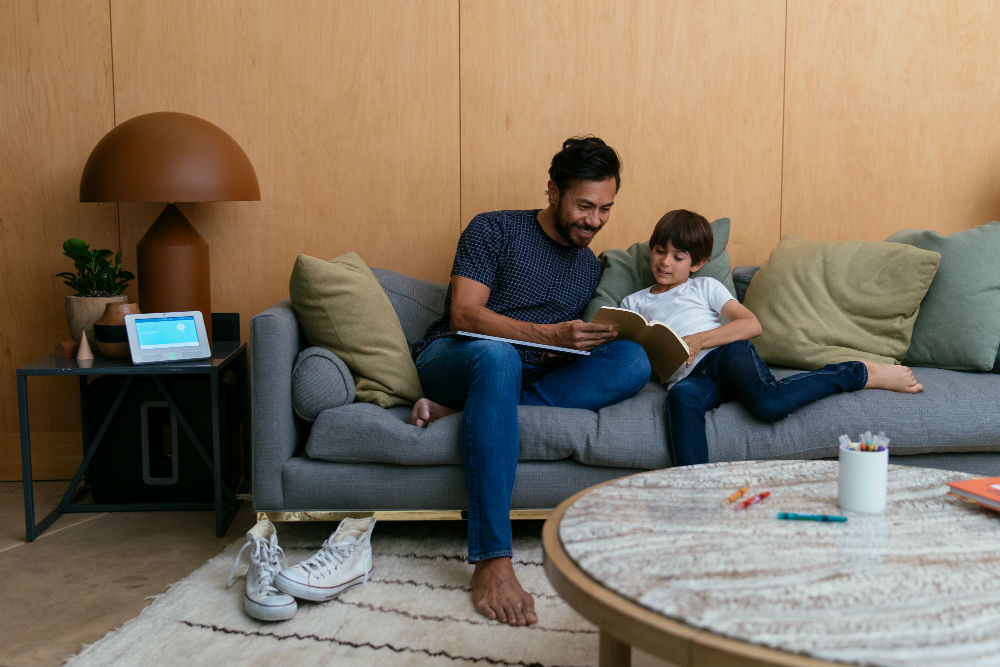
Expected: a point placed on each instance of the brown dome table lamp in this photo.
(170, 157)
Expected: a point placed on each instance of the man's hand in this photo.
(581, 335)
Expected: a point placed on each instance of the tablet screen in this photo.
(160, 333)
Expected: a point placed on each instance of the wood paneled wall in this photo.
(382, 126)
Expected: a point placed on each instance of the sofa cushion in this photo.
(341, 307)
(627, 434)
(947, 416)
(627, 271)
(958, 325)
(320, 380)
(822, 302)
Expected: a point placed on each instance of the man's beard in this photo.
(565, 226)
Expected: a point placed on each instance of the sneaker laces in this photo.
(269, 556)
(329, 557)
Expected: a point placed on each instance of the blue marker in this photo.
(792, 516)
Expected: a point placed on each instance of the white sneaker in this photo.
(344, 561)
(262, 600)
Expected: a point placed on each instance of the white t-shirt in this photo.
(692, 307)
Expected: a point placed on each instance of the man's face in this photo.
(583, 209)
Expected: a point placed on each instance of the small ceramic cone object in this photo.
(84, 353)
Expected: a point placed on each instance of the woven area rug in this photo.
(416, 610)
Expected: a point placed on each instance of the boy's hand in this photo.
(695, 343)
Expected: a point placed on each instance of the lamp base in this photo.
(173, 268)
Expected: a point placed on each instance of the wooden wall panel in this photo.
(55, 59)
(348, 110)
(688, 92)
(889, 117)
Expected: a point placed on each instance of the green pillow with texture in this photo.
(823, 302)
(958, 326)
(341, 307)
(627, 271)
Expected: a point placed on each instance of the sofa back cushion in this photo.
(418, 303)
(823, 302)
(342, 307)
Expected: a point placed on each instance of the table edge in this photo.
(641, 627)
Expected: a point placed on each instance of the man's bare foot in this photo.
(498, 595)
(426, 411)
(892, 377)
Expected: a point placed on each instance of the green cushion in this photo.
(958, 326)
(341, 307)
(627, 271)
(825, 302)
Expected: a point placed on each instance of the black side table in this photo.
(225, 356)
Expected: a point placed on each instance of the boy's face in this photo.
(671, 267)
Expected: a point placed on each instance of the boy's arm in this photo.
(742, 325)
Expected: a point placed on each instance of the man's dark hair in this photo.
(688, 231)
(585, 159)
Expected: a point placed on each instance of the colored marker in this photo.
(793, 516)
(754, 500)
(739, 494)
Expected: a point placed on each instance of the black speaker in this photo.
(146, 455)
(225, 327)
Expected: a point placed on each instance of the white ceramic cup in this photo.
(862, 480)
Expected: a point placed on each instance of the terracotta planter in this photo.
(83, 311)
(109, 330)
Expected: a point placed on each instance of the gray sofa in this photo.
(315, 449)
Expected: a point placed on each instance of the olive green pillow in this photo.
(341, 307)
(825, 302)
(958, 326)
(627, 271)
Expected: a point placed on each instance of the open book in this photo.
(665, 349)
(513, 341)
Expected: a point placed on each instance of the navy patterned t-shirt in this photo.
(531, 277)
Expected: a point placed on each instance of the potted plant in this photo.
(99, 279)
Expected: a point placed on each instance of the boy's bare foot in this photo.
(498, 595)
(426, 411)
(892, 377)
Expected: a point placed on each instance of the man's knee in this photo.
(495, 361)
(630, 362)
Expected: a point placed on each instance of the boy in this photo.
(724, 365)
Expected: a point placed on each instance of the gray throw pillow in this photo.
(958, 326)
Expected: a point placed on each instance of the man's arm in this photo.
(469, 313)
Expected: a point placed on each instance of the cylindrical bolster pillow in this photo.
(320, 380)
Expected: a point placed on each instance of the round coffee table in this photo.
(661, 560)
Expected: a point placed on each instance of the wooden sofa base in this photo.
(389, 515)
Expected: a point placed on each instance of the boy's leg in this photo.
(611, 373)
(687, 403)
(743, 376)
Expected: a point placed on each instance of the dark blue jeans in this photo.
(487, 380)
(735, 372)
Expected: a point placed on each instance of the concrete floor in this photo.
(89, 573)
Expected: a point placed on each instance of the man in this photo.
(524, 275)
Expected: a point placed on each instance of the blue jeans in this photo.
(735, 372)
(487, 380)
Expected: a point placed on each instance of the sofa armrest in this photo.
(275, 342)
